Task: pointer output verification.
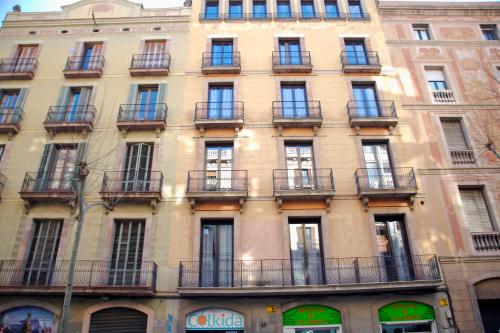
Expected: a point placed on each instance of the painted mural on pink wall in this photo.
(27, 319)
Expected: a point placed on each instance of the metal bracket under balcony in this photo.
(372, 113)
(150, 64)
(315, 276)
(221, 63)
(54, 187)
(219, 115)
(142, 117)
(132, 186)
(296, 184)
(3, 181)
(292, 62)
(18, 68)
(84, 67)
(92, 277)
(217, 185)
(10, 120)
(70, 118)
(297, 114)
(360, 62)
(386, 183)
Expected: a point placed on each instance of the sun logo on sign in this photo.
(201, 320)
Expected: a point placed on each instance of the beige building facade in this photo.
(267, 167)
(447, 58)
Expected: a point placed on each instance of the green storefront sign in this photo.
(311, 315)
(405, 311)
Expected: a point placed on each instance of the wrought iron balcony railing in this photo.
(285, 15)
(443, 97)
(289, 273)
(131, 182)
(371, 109)
(70, 114)
(18, 65)
(217, 181)
(216, 111)
(150, 61)
(10, 116)
(369, 179)
(289, 180)
(486, 241)
(142, 112)
(359, 58)
(88, 274)
(84, 63)
(462, 156)
(297, 110)
(55, 181)
(309, 16)
(260, 16)
(358, 16)
(221, 59)
(234, 16)
(3, 181)
(210, 16)
(291, 58)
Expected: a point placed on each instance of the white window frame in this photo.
(433, 323)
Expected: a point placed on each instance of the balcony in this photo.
(285, 16)
(260, 17)
(297, 114)
(358, 16)
(70, 118)
(386, 183)
(235, 17)
(3, 181)
(210, 17)
(318, 276)
(91, 277)
(292, 62)
(486, 242)
(303, 184)
(309, 16)
(10, 120)
(142, 117)
(84, 67)
(443, 97)
(221, 63)
(462, 156)
(219, 115)
(217, 185)
(334, 15)
(132, 186)
(372, 113)
(366, 62)
(18, 68)
(150, 64)
(54, 186)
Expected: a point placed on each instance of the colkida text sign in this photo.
(215, 319)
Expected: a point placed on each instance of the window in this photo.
(300, 165)
(436, 79)
(2, 151)
(41, 261)
(218, 166)
(489, 31)
(259, 9)
(294, 101)
(355, 9)
(331, 9)
(284, 9)
(235, 9)
(454, 134)
(90, 57)
(421, 31)
(8, 102)
(211, 10)
(289, 52)
(137, 171)
(222, 52)
(305, 252)
(425, 327)
(220, 101)
(378, 165)
(154, 53)
(216, 254)
(307, 8)
(393, 247)
(126, 259)
(24, 58)
(356, 52)
(365, 100)
(147, 99)
(477, 216)
(73, 104)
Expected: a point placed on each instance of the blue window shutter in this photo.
(132, 94)
(63, 98)
(21, 99)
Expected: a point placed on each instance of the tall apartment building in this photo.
(448, 60)
(288, 187)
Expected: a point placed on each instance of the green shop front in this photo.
(405, 317)
(312, 319)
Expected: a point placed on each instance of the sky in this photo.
(52, 5)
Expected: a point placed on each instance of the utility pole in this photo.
(82, 173)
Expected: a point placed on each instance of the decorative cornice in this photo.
(468, 43)
(450, 107)
(458, 171)
(420, 8)
(468, 259)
